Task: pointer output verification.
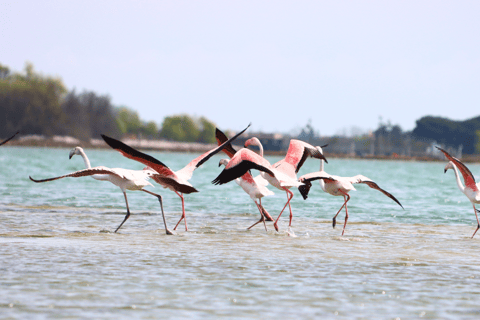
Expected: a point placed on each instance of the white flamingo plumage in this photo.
(471, 188)
(176, 181)
(338, 186)
(123, 178)
(282, 175)
(256, 187)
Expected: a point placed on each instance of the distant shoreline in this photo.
(192, 147)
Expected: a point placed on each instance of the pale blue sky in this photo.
(276, 64)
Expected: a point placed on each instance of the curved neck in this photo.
(257, 143)
(459, 182)
(85, 159)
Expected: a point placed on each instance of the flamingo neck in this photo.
(256, 142)
(459, 182)
(322, 165)
(85, 159)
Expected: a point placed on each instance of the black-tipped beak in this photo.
(323, 157)
(444, 170)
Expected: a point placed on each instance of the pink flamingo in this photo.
(176, 181)
(338, 186)
(5, 141)
(471, 189)
(256, 187)
(123, 178)
(282, 175)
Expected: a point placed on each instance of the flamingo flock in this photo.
(281, 175)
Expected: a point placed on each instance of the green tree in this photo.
(180, 128)
(128, 121)
(207, 134)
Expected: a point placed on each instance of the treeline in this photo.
(37, 104)
(450, 132)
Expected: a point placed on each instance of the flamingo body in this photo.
(471, 188)
(338, 186)
(123, 178)
(175, 181)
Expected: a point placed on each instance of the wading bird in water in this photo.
(256, 187)
(338, 186)
(471, 189)
(123, 178)
(281, 175)
(176, 181)
(5, 141)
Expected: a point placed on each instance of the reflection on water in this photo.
(60, 258)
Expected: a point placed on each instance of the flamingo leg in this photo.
(478, 222)
(268, 217)
(288, 202)
(334, 220)
(346, 212)
(183, 212)
(262, 217)
(128, 213)
(161, 207)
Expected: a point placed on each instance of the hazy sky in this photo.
(276, 64)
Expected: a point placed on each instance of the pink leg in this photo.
(289, 193)
(262, 217)
(346, 196)
(183, 212)
(478, 222)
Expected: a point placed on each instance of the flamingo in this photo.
(123, 178)
(338, 186)
(256, 187)
(471, 189)
(281, 175)
(176, 181)
(297, 153)
(5, 141)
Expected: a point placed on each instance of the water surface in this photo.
(60, 259)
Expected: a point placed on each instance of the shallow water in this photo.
(60, 259)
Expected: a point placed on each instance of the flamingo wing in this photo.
(299, 151)
(307, 181)
(82, 173)
(139, 156)
(466, 173)
(186, 173)
(221, 138)
(5, 141)
(369, 182)
(243, 161)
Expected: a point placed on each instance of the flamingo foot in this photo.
(168, 232)
(276, 226)
(334, 222)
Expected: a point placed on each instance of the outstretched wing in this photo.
(307, 181)
(362, 179)
(466, 173)
(298, 151)
(243, 161)
(5, 141)
(221, 138)
(186, 173)
(82, 173)
(139, 156)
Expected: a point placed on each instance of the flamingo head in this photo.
(448, 166)
(320, 149)
(74, 151)
(252, 142)
(224, 162)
